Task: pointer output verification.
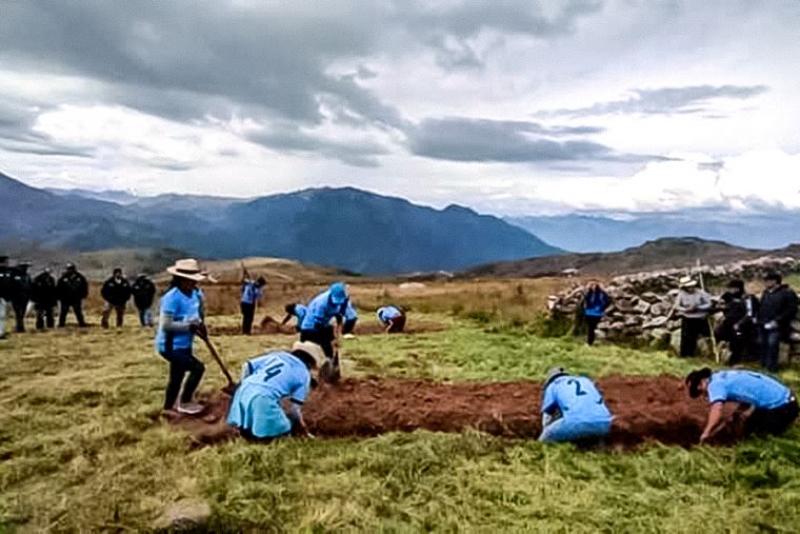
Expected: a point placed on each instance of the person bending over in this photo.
(325, 307)
(392, 318)
(764, 404)
(296, 310)
(573, 409)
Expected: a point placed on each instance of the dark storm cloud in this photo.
(665, 101)
(467, 139)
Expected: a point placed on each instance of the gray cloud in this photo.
(665, 101)
(467, 139)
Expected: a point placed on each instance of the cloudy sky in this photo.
(507, 106)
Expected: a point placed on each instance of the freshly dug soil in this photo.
(366, 329)
(645, 409)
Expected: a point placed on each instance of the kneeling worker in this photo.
(573, 409)
(765, 404)
(392, 318)
(256, 406)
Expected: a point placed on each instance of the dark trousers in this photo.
(349, 326)
(770, 341)
(248, 314)
(691, 330)
(20, 307)
(145, 316)
(591, 328)
(398, 324)
(44, 317)
(741, 342)
(775, 421)
(322, 336)
(76, 307)
(182, 361)
(120, 311)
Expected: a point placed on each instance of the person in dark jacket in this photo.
(116, 292)
(21, 291)
(778, 310)
(595, 303)
(5, 290)
(45, 298)
(739, 323)
(72, 288)
(144, 291)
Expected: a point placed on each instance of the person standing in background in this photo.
(595, 303)
(144, 291)
(5, 288)
(116, 292)
(45, 298)
(738, 326)
(72, 288)
(693, 305)
(252, 291)
(778, 310)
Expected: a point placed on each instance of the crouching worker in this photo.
(180, 319)
(573, 410)
(764, 404)
(392, 318)
(256, 408)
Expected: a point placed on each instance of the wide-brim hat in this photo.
(687, 282)
(187, 268)
(312, 349)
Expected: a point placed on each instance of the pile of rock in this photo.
(643, 303)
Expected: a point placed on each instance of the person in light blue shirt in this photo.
(392, 318)
(296, 310)
(180, 319)
(350, 318)
(252, 291)
(267, 380)
(764, 404)
(573, 409)
(325, 307)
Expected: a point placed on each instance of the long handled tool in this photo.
(231, 384)
(711, 329)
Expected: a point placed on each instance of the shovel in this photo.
(231, 387)
(330, 371)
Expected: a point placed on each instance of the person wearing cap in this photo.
(45, 298)
(144, 291)
(179, 321)
(72, 288)
(778, 310)
(392, 318)
(5, 289)
(693, 305)
(296, 310)
(256, 408)
(595, 303)
(116, 292)
(573, 409)
(252, 291)
(764, 404)
(325, 307)
(738, 326)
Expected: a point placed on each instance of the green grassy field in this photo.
(81, 450)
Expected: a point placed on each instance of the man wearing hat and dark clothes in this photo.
(144, 291)
(21, 290)
(72, 288)
(738, 326)
(693, 305)
(764, 404)
(116, 291)
(44, 297)
(778, 310)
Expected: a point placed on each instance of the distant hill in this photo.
(589, 233)
(346, 228)
(664, 253)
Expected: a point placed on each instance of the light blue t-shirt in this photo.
(251, 292)
(181, 308)
(320, 312)
(577, 398)
(300, 311)
(279, 375)
(387, 313)
(747, 387)
(350, 313)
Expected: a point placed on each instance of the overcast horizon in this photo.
(509, 107)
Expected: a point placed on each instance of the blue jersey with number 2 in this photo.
(278, 375)
(577, 398)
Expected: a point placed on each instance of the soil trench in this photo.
(644, 408)
(366, 329)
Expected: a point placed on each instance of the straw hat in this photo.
(687, 282)
(187, 268)
(312, 349)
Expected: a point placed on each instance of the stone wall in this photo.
(642, 302)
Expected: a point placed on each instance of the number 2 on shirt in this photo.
(272, 371)
(578, 391)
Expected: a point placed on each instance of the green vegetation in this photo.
(81, 449)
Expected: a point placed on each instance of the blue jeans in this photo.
(770, 349)
(565, 429)
(181, 361)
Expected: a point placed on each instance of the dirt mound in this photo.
(367, 329)
(645, 409)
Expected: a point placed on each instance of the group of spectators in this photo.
(46, 294)
(751, 326)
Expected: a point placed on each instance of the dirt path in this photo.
(645, 409)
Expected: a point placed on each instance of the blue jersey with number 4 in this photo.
(577, 398)
(278, 375)
(747, 387)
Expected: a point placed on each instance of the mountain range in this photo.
(346, 228)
